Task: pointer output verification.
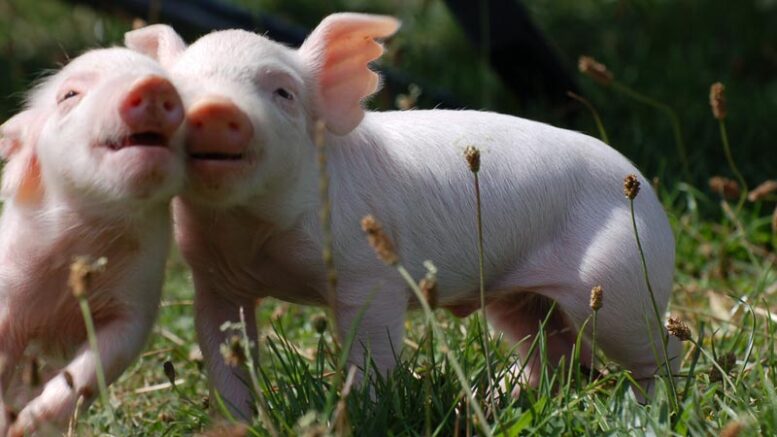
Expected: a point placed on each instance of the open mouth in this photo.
(216, 156)
(140, 139)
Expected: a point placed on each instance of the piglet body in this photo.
(556, 222)
(91, 167)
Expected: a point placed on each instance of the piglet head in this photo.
(100, 131)
(252, 103)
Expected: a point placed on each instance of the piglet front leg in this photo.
(372, 318)
(231, 381)
(12, 345)
(118, 342)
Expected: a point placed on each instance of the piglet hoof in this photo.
(514, 380)
(7, 419)
(28, 423)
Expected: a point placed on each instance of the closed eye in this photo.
(282, 92)
(68, 95)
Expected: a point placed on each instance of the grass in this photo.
(729, 312)
(725, 283)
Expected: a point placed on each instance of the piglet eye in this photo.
(282, 92)
(69, 94)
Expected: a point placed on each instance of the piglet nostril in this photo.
(218, 128)
(152, 104)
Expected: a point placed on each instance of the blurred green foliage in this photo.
(39, 36)
(670, 50)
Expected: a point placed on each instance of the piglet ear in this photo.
(158, 41)
(21, 173)
(337, 52)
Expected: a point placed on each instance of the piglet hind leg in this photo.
(630, 323)
(521, 317)
(628, 330)
(118, 342)
(228, 378)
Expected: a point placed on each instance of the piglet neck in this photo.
(56, 222)
(284, 201)
(121, 210)
(202, 230)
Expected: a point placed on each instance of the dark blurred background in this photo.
(501, 55)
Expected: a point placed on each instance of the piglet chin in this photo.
(217, 169)
(211, 177)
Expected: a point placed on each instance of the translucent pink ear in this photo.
(21, 173)
(338, 52)
(158, 41)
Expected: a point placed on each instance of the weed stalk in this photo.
(719, 111)
(670, 113)
(594, 113)
(603, 76)
(631, 185)
(92, 336)
(445, 349)
(472, 155)
(261, 404)
(325, 214)
(595, 304)
(81, 272)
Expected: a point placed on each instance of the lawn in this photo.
(664, 57)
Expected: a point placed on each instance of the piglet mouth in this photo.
(216, 156)
(140, 139)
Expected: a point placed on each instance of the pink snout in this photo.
(218, 130)
(152, 105)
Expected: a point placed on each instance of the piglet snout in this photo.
(152, 106)
(218, 130)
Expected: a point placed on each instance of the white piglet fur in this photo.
(91, 167)
(556, 222)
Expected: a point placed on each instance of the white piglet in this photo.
(556, 222)
(91, 168)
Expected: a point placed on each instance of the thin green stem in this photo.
(725, 377)
(694, 360)
(457, 369)
(732, 165)
(595, 113)
(91, 334)
(740, 229)
(593, 347)
(666, 109)
(73, 423)
(659, 319)
(327, 253)
(484, 327)
(427, 408)
(325, 215)
(261, 404)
